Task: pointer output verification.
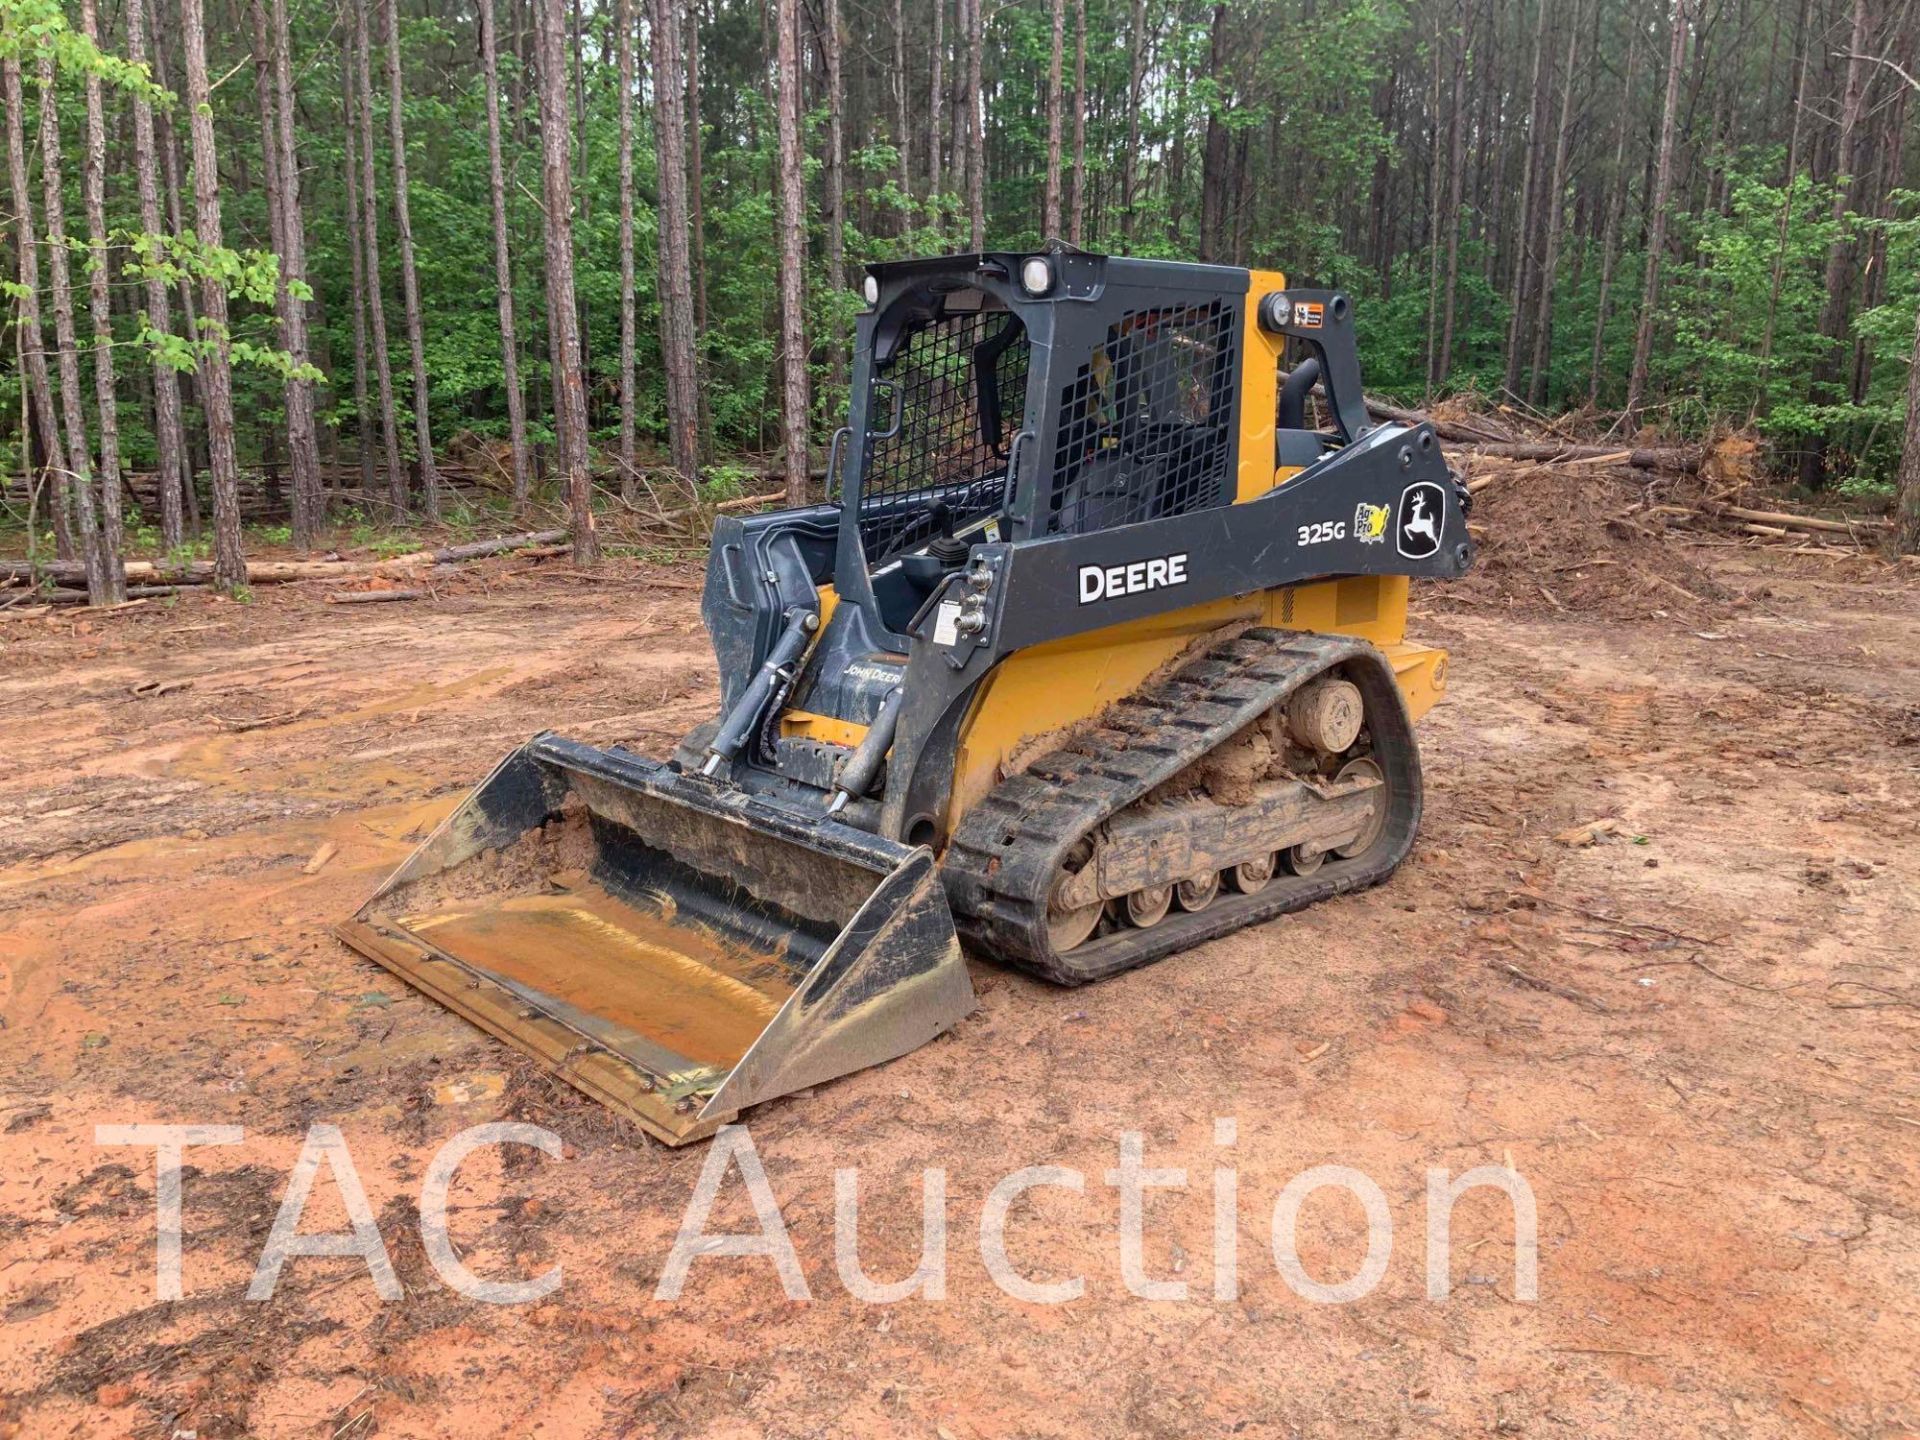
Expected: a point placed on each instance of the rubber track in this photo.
(1002, 862)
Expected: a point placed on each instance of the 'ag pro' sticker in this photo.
(1423, 511)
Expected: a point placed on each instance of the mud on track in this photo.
(1698, 1039)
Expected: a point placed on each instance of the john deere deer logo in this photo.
(1422, 514)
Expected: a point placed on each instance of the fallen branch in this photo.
(134, 592)
(725, 507)
(1565, 992)
(749, 502)
(373, 597)
(1462, 432)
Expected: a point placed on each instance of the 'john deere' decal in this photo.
(1110, 582)
(1423, 511)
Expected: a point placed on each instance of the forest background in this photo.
(602, 253)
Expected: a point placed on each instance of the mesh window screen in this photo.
(950, 403)
(1144, 426)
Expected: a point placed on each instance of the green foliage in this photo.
(1333, 163)
(32, 30)
(726, 482)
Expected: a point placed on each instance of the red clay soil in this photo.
(1696, 1038)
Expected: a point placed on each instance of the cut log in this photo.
(1804, 522)
(1685, 459)
(373, 597)
(474, 550)
(269, 572)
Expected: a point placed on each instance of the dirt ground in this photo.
(1697, 1039)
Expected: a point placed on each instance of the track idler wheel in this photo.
(1147, 908)
(1253, 876)
(1197, 892)
(1070, 926)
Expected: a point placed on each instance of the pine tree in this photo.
(409, 274)
(563, 316)
(503, 266)
(216, 363)
(170, 438)
(792, 238)
(32, 337)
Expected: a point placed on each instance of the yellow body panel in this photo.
(805, 725)
(1259, 392)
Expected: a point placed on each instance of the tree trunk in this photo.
(1909, 477)
(80, 498)
(409, 277)
(1657, 216)
(696, 226)
(934, 100)
(32, 337)
(169, 432)
(503, 264)
(276, 226)
(1616, 207)
(1214, 182)
(1555, 208)
(1434, 207)
(1129, 158)
(100, 311)
(835, 217)
(1530, 181)
(1050, 192)
(623, 49)
(1456, 184)
(563, 316)
(976, 141)
(793, 240)
(1077, 190)
(357, 292)
(370, 233)
(678, 340)
(1838, 283)
(303, 446)
(962, 146)
(176, 219)
(696, 167)
(1778, 273)
(216, 373)
(902, 132)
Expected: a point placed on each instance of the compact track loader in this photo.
(1094, 651)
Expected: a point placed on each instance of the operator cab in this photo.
(1110, 397)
